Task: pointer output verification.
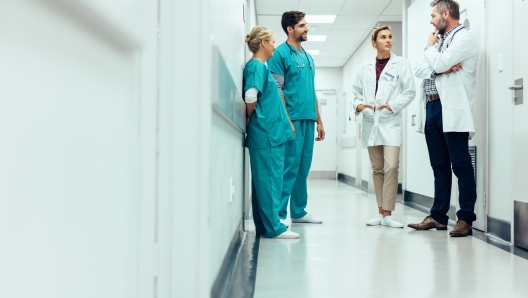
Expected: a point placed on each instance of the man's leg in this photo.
(440, 161)
(292, 161)
(299, 194)
(457, 142)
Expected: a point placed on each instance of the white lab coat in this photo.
(456, 90)
(395, 87)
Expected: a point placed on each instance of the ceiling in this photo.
(355, 20)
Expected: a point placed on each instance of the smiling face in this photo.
(439, 20)
(299, 31)
(383, 42)
(268, 47)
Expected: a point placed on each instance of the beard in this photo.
(442, 25)
(301, 38)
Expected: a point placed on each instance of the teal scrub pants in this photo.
(298, 160)
(267, 165)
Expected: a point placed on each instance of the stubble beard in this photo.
(441, 27)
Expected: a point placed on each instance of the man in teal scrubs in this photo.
(294, 71)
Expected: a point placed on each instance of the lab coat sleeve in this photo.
(459, 50)
(423, 70)
(408, 90)
(357, 90)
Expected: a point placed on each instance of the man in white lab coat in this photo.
(448, 68)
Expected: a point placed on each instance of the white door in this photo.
(325, 154)
(520, 111)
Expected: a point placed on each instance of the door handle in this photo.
(413, 117)
(516, 87)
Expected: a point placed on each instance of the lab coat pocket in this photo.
(385, 115)
(368, 114)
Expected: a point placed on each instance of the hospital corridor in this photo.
(263, 149)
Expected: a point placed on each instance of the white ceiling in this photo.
(355, 20)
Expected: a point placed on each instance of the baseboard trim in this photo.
(499, 228)
(223, 278)
(520, 224)
(330, 175)
(237, 275)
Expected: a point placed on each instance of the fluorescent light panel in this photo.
(316, 37)
(320, 19)
(312, 52)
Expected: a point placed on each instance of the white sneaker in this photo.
(390, 221)
(288, 235)
(308, 218)
(283, 221)
(376, 221)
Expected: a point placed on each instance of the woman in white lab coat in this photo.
(383, 88)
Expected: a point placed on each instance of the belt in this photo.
(432, 97)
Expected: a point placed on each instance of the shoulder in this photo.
(281, 50)
(253, 66)
(366, 65)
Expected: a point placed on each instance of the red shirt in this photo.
(380, 65)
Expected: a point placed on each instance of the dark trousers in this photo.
(449, 150)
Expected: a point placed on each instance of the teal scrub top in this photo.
(298, 70)
(269, 125)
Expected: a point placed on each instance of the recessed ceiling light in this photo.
(321, 19)
(316, 37)
(312, 52)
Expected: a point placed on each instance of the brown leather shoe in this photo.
(428, 223)
(462, 229)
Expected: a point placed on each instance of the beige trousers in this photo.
(385, 164)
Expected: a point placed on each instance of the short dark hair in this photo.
(291, 18)
(449, 5)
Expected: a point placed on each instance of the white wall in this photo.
(70, 220)
(500, 41)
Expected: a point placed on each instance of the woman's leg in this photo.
(378, 173)
(390, 184)
(267, 166)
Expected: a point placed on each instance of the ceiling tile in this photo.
(328, 62)
(338, 46)
(269, 21)
(333, 54)
(354, 22)
(390, 19)
(326, 7)
(277, 7)
(364, 8)
(347, 35)
(395, 8)
(315, 27)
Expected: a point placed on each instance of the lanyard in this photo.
(297, 57)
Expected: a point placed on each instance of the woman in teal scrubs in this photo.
(268, 128)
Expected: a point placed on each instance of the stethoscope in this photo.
(453, 36)
(297, 57)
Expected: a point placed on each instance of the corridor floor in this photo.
(345, 258)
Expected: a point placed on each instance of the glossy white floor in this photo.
(344, 258)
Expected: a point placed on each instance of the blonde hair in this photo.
(257, 35)
(377, 30)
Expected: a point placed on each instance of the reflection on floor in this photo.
(344, 258)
